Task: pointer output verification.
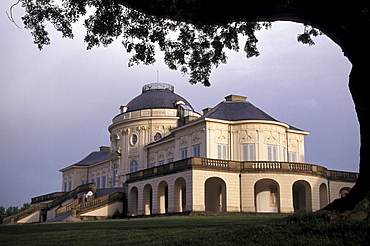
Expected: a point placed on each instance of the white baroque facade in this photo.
(167, 158)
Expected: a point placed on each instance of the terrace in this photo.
(195, 163)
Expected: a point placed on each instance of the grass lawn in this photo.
(192, 230)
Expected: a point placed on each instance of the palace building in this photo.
(166, 158)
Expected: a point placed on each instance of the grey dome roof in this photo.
(156, 96)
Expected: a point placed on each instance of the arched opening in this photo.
(344, 192)
(180, 195)
(215, 195)
(302, 196)
(163, 197)
(267, 196)
(147, 200)
(133, 201)
(323, 192)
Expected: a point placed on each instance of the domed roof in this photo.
(156, 95)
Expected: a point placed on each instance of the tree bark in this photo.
(347, 24)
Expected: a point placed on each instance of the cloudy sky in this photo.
(56, 104)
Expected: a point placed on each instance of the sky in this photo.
(56, 104)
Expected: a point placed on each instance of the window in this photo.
(184, 153)
(115, 172)
(98, 183)
(169, 160)
(133, 139)
(103, 183)
(272, 152)
(222, 152)
(292, 156)
(133, 166)
(83, 182)
(160, 163)
(151, 164)
(249, 152)
(196, 150)
(157, 136)
(70, 185)
(92, 180)
(65, 186)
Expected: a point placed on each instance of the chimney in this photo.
(206, 110)
(235, 98)
(104, 148)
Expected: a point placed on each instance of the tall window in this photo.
(196, 150)
(272, 152)
(104, 181)
(65, 186)
(184, 153)
(133, 166)
(98, 183)
(115, 172)
(292, 156)
(169, 160)
(249, 152)
(70, 185)
(222, 151)
(160, 163)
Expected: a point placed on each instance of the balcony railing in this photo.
(47, 197)
(242, 167)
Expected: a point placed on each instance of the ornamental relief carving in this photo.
(195, 138)
(152, 158)
(133, 150)
(125, 131)
(129, 130)
(221, 138)
(247, 136)
(271, 139)
(184, 141)
(291, 147)
(170, 152)
(161, 155)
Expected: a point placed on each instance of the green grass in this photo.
(193, 230)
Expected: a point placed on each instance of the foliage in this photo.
(192, 230)
(12, 210)
(193, 49)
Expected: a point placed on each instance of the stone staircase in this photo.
(42, 204)
(103, 197)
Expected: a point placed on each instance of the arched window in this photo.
(133, 166)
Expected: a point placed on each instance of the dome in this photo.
(156, 95)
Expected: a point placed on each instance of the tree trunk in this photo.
(358, 198)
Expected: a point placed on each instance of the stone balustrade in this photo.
(100, 201)
(242, 167)
(24, 213)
